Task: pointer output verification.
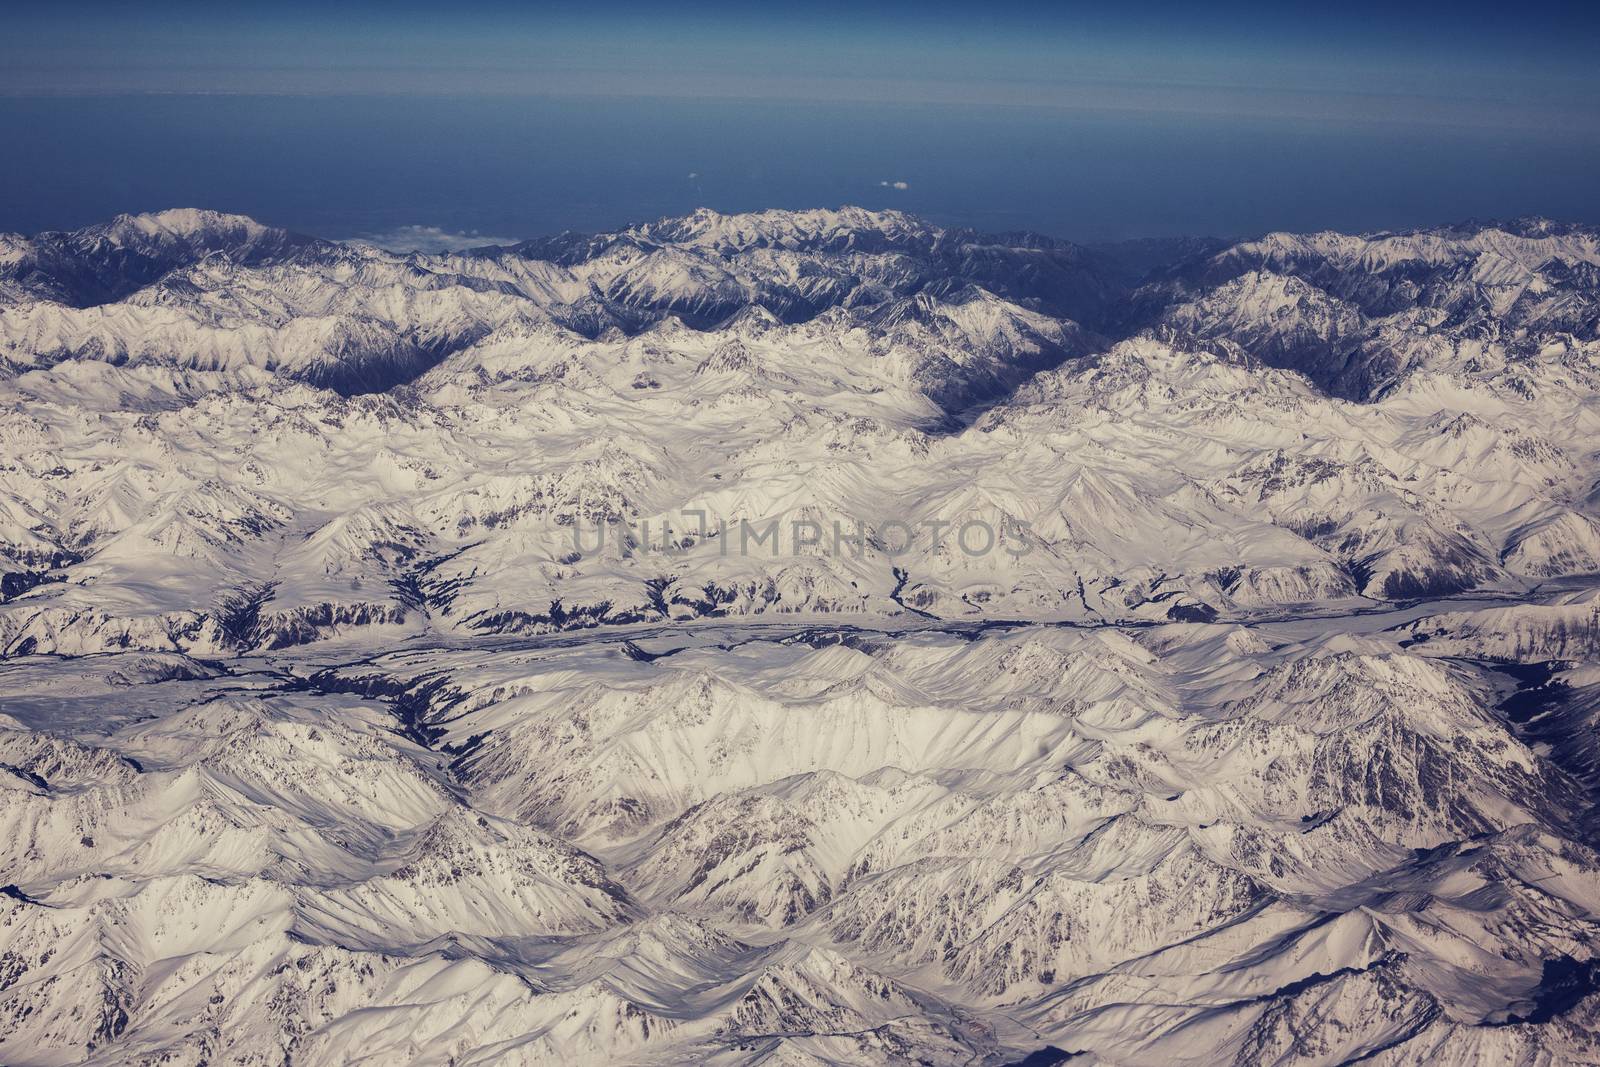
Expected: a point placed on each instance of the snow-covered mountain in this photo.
(797, 638)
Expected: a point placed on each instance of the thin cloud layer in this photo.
(429, 239)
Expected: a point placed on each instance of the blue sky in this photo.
(1088, 120)
(1436, 63)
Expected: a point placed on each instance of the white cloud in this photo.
(895, 185)
(429, 239)
(693, 174)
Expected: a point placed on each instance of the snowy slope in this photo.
(799, 637)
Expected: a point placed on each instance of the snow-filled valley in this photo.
(799, 638)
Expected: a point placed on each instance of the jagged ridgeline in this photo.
(207, 413)
(799, 638)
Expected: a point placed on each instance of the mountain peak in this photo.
(108, 261)
(835, 229)
(185, 223)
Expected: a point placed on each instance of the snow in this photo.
(332, 728)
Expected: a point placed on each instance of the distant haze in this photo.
(1090, 122)
(368, 166)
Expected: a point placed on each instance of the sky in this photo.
(1105, 120)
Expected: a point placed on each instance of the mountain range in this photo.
(800, 637)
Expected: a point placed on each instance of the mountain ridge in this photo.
(749, 639)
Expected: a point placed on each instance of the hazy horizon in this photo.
(516, 167)
(1075, 120)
